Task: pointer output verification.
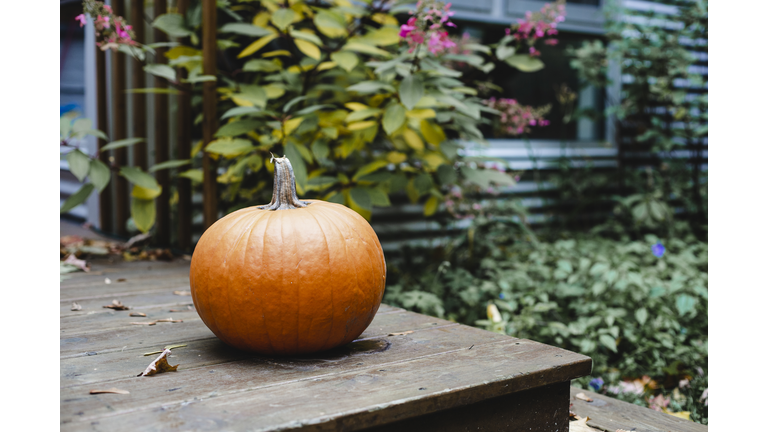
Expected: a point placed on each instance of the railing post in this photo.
(119, 129)
(210, 204)
(102, 123)
(161, 137)
(139, 126)
(184, 136)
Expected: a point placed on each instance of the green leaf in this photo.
(525, 63)
(241, 110)
(254, 94)
(122, 143)
(65, 127)
(345, 59)
(503, 52)
(320, 149)
(161, 70)
(244, 29)
(283, 17)
(170, 164)
(361, 114)
(361, 197)
(261, 65)
(411, 90)
(143, 193)
(365, 49)
(195, 175)
(366, 87)
(423, 183)
(609, 342)
(200, 78)
(143, 213)
(229, 147)
(446, 174)
(394, 117)
(138, 177)
(378, 197)
(81, 126)
(641, 315)
(322, 181)
(313, 108)
(309, 37)
(173, 25)
(685, 304)
(330, 23)
(96, 133)
(100, 174)
(430, 207)
(79, 163)
(337, 198)
(77, 198)
(369, 168)
(297, 162)
(236, 128)
(484, 177)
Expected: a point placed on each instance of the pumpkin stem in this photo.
(284, 191)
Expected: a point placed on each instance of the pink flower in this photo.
(82, 20)
(108, 8)
(476, 206)
(406, 29)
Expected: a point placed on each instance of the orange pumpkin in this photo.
(291, 277)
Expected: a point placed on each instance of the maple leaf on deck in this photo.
(159, 365)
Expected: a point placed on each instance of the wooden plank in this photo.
(183, 149)
(98, 285)
(138, 80)
(543, 409)
(140, 270)
(81, 342)
(202, 353)
(102, 123)
(612, 414)
(119, 131)
(355, 399)
(210, 121)
(163, 220)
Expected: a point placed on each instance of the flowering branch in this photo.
(111, 30)
(538, 25)
(516, 119)
(426, 24)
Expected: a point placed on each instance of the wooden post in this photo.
(138, 81)
(161, 138)
(102, 122)
(119, 129)
(210, 198)
(184, 136)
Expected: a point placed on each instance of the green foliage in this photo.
(634, 314)
(329, 85)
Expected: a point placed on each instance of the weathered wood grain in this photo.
(245, 394)
(611, 414)
(126, 337)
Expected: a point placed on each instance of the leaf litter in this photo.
(169, 347)
(117, 305)
(159, 365)
(112, 390)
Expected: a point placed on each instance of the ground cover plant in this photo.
(637, 307)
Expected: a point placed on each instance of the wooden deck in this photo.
(435, 375)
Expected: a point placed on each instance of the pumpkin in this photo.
(291, 277)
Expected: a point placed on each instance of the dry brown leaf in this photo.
(149, 323)
(170, 320)
(182, 293)
(117, 305)
(121, 280)
(159, 365)
(137, 314)
(76, 307)
(169, 347)
(136, 239)
(583, 397)
(72, 259)
(581, 425)
(401, 333)
(112, 390)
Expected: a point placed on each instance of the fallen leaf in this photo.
(580, 425)
(70, 240)
(401, 333)
(159, 365)
(117, 305)
(72, 259)
(121, 280)
(685, 415)
(149, 323)
(187, 257)
(583, 397)
(136, 239)
(182, 293)
(137, 314)
(112, 390)
(76, 307)
(169, 347)
(170, 320)
(107, 281)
